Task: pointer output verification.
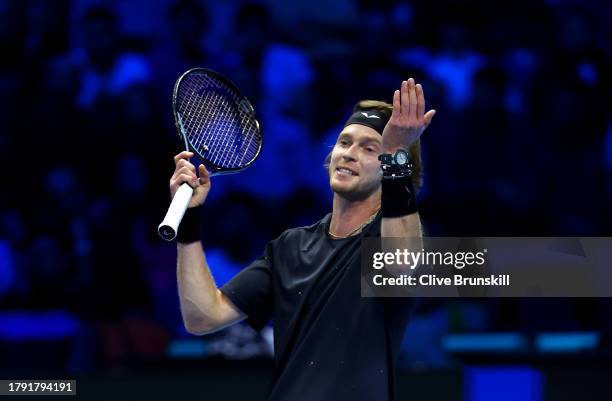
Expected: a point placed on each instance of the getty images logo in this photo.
(366, 115)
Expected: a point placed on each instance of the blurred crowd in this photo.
(521, 144)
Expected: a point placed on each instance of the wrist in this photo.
(396, 166)
(398, 198)
(394, 148)
(190, 228)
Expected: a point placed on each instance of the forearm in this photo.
(408, 226)
(203, 307)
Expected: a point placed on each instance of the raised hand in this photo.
(186, 172)
(408, 120)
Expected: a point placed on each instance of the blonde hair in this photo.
(414, 150)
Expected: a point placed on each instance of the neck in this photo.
(349, 215)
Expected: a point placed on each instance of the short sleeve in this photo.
(251, 291)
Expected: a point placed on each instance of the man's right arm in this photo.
(204, 308)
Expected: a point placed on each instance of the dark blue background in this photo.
(521, 145)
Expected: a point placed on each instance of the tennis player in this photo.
(330, 344)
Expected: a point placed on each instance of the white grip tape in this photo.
(169, 227)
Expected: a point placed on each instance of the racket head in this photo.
(216, 121)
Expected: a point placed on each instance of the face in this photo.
(354, 169)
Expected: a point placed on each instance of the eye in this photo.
(343, 142)
(370, 149)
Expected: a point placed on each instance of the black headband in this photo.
(374, 119)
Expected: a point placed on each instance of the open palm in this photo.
(408, 120)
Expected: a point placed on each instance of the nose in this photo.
(350, 154)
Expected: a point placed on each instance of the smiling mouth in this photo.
(345, 171)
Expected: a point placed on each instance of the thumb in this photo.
(428, 116)
(204, 174)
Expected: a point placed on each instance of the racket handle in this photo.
(169, 227)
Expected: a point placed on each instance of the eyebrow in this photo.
(367, 139)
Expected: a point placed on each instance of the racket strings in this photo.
(216, 106)
(198, 134)
(226, 127)
(208, 108)
(215, 123)
(201, 117)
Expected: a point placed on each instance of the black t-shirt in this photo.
(329, 343)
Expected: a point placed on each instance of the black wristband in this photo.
(189, 229)
(398, 197)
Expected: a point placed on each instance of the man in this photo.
(330, 344)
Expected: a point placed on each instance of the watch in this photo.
(396, 166)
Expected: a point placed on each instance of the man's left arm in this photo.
(405, 127)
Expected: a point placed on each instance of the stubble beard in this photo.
(352, 192)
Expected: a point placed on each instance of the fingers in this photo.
(184, 171)
(184, 155)
(405, 99)
(420, 101)
(187, 173)
(190, 179)
(412, 99)
(397, 103)
(409, 99)
(184, 163)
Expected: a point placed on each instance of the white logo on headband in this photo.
(366, 115)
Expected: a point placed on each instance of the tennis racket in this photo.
(217, 123)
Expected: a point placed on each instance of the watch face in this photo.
(401, 157)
